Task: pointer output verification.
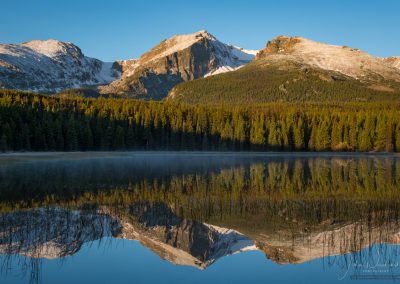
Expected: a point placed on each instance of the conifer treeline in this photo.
(42, 123)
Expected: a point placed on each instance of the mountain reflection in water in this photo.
(193, 209)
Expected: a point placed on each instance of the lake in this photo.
(176, 217)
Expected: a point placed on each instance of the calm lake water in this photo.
(199, 218)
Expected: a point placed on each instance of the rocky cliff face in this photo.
(50, 66)
(177, 59)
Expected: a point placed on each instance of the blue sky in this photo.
(118, 29)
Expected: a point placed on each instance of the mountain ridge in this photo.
(286, 62)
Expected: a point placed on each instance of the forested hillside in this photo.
(42, 123)
(264, 81)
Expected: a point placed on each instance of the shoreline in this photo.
(99, 154)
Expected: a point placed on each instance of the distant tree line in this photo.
(34, 122)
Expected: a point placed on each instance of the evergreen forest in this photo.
(34, 122)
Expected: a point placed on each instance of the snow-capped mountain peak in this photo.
(177, 59)
(228, 56)
(176, 43)
(50, 66)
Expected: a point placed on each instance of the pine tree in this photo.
(39, 139)
(87, 137)
(367, 135)
(59, 137)
(108, 138)
(353, 134)
(274, 137)
(119, 138)
(397, 138)
(130, 138)
(298, 135)
(390, 136)
(257, 133)
(240, 132)
(312, 143)
(323, 140)
(336, 136)
(71, 139)
(380, 134)
(26, 143)
(49, 136)
(3, 143)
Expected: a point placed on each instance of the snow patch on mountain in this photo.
(230, 57)
(107, 73)
(230, 242)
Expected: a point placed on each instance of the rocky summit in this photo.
(343, 59)
(178, 59)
